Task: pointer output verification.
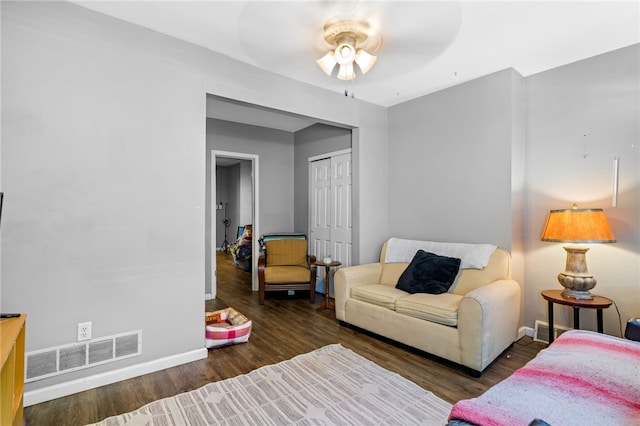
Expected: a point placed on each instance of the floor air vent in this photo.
(62, 359)
(541, 333)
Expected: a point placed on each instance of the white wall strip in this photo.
(614, 194)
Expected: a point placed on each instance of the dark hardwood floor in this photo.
(284, 327)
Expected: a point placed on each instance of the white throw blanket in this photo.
(473, 256)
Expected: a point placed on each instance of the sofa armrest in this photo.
(488, 322)
(347, 278)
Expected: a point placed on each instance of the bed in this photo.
(583, 378)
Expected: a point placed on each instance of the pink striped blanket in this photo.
(583, 378)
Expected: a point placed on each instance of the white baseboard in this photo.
(525, 331)
(48, 393)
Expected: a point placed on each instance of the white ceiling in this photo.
(426, 45)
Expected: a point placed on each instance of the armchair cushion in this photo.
(286, 274)
(287, 253)
(429, 273)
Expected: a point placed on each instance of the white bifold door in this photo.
(330, 221)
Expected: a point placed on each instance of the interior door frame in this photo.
(255, 214)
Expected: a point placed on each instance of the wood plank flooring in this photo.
(284, 327)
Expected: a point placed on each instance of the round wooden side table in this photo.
(328, 303)
(555, 296)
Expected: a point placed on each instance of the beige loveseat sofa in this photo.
(471, 324)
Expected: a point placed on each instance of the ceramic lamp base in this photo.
(576, 278)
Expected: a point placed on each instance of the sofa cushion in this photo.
(499, 268)
(377, 294)
(391, 273)
(439, 308)
(429, 273)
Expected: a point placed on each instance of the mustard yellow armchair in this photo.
(286, 266)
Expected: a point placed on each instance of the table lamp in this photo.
(577, 226)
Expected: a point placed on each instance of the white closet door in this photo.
(341, 223)
(330, 209)
(320, 208)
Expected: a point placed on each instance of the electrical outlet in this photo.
(84, 331)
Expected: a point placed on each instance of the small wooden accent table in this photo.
(328, 303)
(555, 296)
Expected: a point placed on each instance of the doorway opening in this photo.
(234, 199)
(274, 135)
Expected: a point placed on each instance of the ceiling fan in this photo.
(349, 42)
(403, 35)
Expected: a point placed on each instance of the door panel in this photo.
(341, 190)
(320, 238)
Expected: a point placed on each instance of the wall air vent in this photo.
(76, 356)
(541, 333)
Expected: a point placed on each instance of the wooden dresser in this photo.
(12, 374)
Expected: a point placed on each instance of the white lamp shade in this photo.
(327, 62)
(346, 72)
(365, 61)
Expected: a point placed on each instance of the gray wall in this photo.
(315, 140)
(518, 184)
(233, 200)
(487, 160)
(581, 116)
(233, 186)
(245, 196)
(450, 164)
(222, 196)
(104, 169)
(275, 148)
(456, 166)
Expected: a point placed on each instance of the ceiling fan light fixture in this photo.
(327, 62)
(365, 61)
(350, 41)
(346, 51)
(346, 72)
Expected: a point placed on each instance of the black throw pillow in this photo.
(429, 273)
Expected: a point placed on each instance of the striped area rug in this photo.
(329, 386)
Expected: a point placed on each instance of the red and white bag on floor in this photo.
(226, 327)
